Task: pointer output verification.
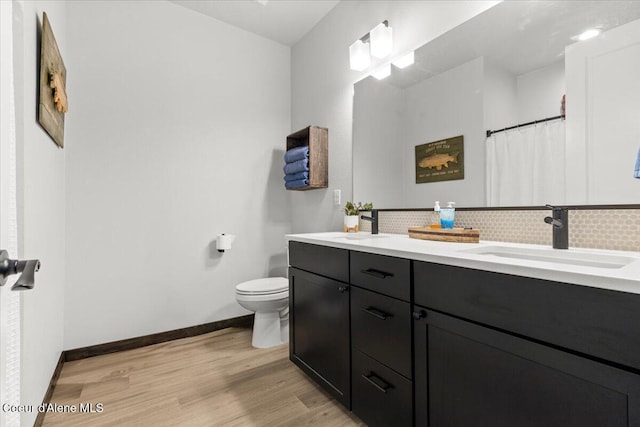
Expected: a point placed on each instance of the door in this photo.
(467, 374)
(319, 329)
(10, 331)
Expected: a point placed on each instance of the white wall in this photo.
(379, 115)
(540, 92)
(445, 106)
(322, 84)
(41, 204)
(603, 117)
(176, 133)
(500, 93)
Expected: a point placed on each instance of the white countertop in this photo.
(624, 279)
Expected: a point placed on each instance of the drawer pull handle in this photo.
(378, 314)
(342, 289)
(376, 273)
(377, 382)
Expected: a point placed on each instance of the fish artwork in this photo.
(438, 161)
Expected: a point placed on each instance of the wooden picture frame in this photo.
(52, 99)
(440, 160)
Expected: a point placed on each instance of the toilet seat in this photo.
(276, 296)
(265, 286)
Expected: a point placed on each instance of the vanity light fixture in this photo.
(381, 40)
(359, 58)
(589, 34)
(378, 43)
(405, 60)
(382, 72)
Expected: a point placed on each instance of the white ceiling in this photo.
(284, 21)
(519, 36)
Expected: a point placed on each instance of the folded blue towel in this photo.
(297, 183)
(297, 176)
(636, 173)
(297, 166)
(297, 153)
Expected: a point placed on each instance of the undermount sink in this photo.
(555, 256)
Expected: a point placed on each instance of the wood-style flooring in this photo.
(216, 379)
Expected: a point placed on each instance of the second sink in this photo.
(555, 256)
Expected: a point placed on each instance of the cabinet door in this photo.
(319, 331)
(468, 374)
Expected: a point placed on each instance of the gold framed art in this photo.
(52, 99)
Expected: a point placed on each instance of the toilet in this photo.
(269, 299)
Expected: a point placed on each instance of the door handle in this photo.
(9, 267)
(342, 289)
(419, 314)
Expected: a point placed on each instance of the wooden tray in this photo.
(460, 235)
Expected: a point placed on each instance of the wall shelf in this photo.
(317, 138)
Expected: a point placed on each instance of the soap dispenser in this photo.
(447, 215)
(435, 218)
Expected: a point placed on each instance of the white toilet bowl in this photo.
(269, 299)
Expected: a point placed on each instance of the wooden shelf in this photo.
(317, 138)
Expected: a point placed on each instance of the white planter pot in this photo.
(351, 223)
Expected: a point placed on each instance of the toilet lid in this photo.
(270, 285)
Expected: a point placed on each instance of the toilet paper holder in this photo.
(224, 241)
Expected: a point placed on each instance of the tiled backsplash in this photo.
(615, 229)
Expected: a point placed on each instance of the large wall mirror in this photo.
(509, 65)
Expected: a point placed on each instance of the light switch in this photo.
(336, 197)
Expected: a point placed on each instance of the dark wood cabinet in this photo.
(468, 374)
(406, 342)
(319, 331)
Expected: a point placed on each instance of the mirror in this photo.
(509, 65)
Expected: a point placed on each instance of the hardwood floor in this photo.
(208, 380)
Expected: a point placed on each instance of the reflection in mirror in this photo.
(511, 64)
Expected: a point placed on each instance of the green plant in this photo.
(351, 208)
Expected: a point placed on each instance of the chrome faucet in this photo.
(373, 219)
(560, 224)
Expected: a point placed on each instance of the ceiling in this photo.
(519, 36)
(283, 21)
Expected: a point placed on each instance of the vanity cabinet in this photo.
(319, 316)
(511, 350)
(407, 342)
(382, 389)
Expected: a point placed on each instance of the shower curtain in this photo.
(9, 301)
(526, 166)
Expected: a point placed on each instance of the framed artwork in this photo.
(52, 99)
(440, 160)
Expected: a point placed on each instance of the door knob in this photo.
(10, 267)
(419, 314)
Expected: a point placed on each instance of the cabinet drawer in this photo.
(593, 321)
(381, 328)
(381, 397)
(322, 260)
(384, 274)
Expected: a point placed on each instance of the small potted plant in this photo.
(352, 215)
